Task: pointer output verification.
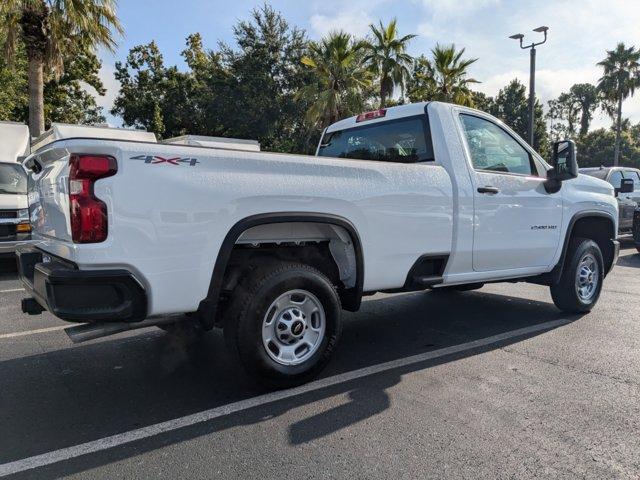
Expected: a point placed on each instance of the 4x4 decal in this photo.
(155, 159)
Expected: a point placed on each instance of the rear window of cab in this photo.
(405, 140)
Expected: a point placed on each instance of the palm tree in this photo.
(388, 58)
(50, 31)
(444, 77)
(621, 76)
(341, 77)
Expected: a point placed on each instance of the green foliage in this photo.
(481, 101)
(51, 33)
(621, 76)
(571, 109)
(55, 31)
(13, 88)
(587, 97)
(152, 96)
(444, 77)
(340, 78)
(248, 92)
(511, 106)
(387, 55)
(65, 98)
(597, 147)
(261, 81)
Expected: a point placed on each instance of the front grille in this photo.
(8, 214)
(7, 232)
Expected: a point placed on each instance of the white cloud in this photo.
(454, 8)
(353, 17)
(580, 33)
(355, 22)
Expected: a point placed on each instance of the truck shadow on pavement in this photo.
(82, 393)
(629, 261)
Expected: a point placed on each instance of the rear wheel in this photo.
(581, 282)
(284, 324)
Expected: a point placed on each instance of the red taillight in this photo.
(88, 213)
(371, 115)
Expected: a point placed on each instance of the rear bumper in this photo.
(10, 247)
(80, 295)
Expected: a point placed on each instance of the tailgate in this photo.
(49, 198)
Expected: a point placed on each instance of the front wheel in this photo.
(581, 282)
(284, 324)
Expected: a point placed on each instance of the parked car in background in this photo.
(626, 182)
(15, 227)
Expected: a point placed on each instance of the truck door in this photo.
(626, 204)
(516, 222)
(633, 197)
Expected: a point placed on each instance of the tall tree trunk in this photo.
(383, 94)
(616, 152)
(584, 123)
(36, 96)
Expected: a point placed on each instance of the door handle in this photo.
(488, 189)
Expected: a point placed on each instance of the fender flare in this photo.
(556, 273)
(351, 297)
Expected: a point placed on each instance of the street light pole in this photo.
(532, 94)
(532, 77)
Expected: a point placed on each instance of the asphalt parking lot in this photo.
(495, 383)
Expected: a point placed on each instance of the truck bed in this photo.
(170, 207)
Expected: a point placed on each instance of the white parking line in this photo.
(32, 332)
(196, 418)
(12, 290)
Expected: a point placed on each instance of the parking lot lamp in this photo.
(532, 76)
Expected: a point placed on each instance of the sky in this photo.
(580, 32)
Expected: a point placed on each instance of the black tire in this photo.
(467, 287)
(244, 323)
(638, 248)
(565, 293)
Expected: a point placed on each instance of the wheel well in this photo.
(327, 243)
(599, 229)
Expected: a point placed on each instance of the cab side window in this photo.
(493, 149)
(616, 179)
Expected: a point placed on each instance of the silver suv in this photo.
(626, 182)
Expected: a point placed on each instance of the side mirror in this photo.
(564, 163)
(626, 186)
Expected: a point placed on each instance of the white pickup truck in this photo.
(271, 247)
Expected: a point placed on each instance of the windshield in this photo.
(13, 179)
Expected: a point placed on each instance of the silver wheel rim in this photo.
(293, 327)
(587, 278)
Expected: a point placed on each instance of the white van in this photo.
(15, 227)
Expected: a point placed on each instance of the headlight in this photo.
(23, 214)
